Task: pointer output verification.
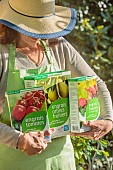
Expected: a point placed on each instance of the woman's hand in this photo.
(99, 128)
(33, 143)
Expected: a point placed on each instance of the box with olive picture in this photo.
(56, 90)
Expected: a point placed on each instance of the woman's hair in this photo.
(7, 35)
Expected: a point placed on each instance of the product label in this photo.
(28, 109)
(92, 110)
(56, 92)
(84, 104)
(58, 112)
(34, 121)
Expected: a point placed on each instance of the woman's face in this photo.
(28, 41)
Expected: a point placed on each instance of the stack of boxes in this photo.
(54, 100)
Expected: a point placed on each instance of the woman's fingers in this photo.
(42, 134)
(34, 143)
(39, 141)
(33, 150)
(37, 134)
(94, 134)
(89, 134)
(49, 132)
(90, 123)
(99, 128)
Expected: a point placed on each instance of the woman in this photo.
(23, 24)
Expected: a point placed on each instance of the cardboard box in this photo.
(56, 90)
(28, 111)
(84, 104)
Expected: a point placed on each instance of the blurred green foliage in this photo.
(84, 150)
(93, 35)
(93, 39)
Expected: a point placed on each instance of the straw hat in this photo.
(37, 18)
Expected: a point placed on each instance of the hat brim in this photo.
(59, 24)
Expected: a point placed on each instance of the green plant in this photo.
(93, 35)
(84, 150)
(93, 38)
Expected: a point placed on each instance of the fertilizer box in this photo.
(28, 111)
(56, 92)
(84, 103)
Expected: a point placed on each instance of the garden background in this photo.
(93, 38)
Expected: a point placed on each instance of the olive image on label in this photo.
(63, 89)
(52, 93)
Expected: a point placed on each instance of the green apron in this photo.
(58, 155)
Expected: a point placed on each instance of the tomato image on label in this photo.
(31, 109)
(22, 102)
(31, 101)
(18, 112)
(38, 104)
(41, 91)
(35, 101)
(40, 95)
(28, 96)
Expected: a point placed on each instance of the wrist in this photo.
(18, 141)
(21, 143)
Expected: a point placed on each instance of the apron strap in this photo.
(12, 51)
(47, 51)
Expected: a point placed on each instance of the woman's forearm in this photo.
(8, 135)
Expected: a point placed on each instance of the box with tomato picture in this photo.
(84, 103)
(28, 110)
(56, 91)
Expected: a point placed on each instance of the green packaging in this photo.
(84, 103)
(28, 110)
(56, 91)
